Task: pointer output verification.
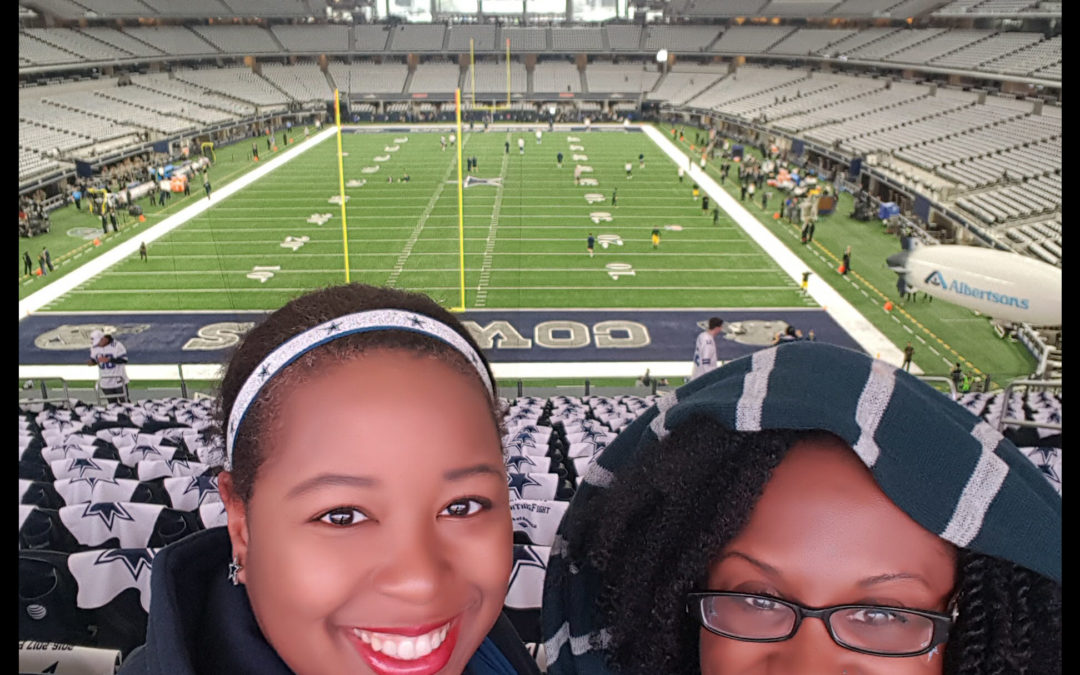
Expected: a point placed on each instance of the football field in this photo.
(525, 230)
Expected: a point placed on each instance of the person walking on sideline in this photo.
(28, 263)
(847, 260)
(909, 351)
(206, 186)
(48, 258)
(142, 251)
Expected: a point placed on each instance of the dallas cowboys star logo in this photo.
(173, 463)
(83, 464)
(145, 450)
(517, 481)
(109, 512)
(204, 485)
(92, 481)
(333, 328)
(1042, 455)
(135, 559)
(516, 461)
(415, 320)
(264, 372)
(524, 557)
(594, 434)
(520, 445)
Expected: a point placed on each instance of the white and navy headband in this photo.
(350, 324)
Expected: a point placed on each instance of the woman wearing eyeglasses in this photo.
(807, 510)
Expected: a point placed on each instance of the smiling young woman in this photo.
(368, 512)
(807, 510)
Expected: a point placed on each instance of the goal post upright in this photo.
(341, 183)
(460, 200)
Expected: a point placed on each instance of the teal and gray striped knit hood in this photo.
(950, 471)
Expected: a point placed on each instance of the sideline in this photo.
(76, 278)
(843, 312)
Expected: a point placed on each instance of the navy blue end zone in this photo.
(507, 336)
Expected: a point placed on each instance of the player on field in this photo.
(577, 174)
(641, 160)
(558, 159)
(538, 135)
(521, 146)
(656, 237)
(589, 243)
(629, 168)
(614, 193)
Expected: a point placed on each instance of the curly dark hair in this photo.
(668, 515)
(307, 311)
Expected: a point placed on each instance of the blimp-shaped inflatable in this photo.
(996, 283)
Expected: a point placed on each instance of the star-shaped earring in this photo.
(234, 571)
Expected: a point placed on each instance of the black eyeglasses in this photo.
(867, 629)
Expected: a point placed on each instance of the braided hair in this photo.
(667, 516)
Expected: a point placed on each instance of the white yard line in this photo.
(267, 289)
(865, 333)
(516, 270)
(76, 278)
(406, 251)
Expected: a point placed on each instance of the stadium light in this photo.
(661, 56)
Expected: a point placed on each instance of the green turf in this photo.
(406, 234)
(954, 332)
(524, 243)
(70, 239)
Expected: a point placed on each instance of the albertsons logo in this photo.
(936, 278)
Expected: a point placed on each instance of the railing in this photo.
(45, 398)
(1052, 385)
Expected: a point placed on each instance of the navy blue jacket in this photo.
(200, 624)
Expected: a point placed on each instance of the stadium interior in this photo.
(933, 120)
